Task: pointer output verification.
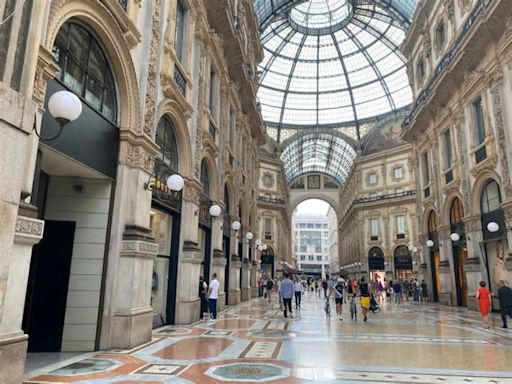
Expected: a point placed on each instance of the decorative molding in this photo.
(501, 140)
(138, 248)
(28, 230)
(152, 69)
(46, 70)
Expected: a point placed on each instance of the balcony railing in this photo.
(479, 9)
(180, 80)
(271, 200)
(384, 197)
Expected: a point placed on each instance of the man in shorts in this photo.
(338, 298)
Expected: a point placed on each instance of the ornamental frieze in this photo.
(29, 226)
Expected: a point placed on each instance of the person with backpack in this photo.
(269, 286)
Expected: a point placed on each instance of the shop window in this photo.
(85, 69)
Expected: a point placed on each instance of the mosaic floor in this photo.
(253, 342)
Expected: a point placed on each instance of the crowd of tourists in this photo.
(341, 291)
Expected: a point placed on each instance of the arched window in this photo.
(403, 258)
(456, 211)
(375, 259)
(432, 222)
(84, 68)
(166, 140)
(491, 197)
(205, 178)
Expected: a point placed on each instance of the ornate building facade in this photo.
(377, 226)
(165, 87)
(459, 65)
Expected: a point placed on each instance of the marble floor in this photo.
(253, 342)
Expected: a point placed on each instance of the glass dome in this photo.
(332, 63)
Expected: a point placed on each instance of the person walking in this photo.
(203, 292)
(298, 288)
(365, 297)
(324, 286)
(483, 296)
(405, 289)
(338, 297)
(416, 290)
(397, 292)
(269, 287)
(286, 293)
(505, 298)
(213, 295)
(424, 291)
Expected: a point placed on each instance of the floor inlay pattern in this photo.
(253, 342)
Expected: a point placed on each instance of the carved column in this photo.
(191, 257)
(18, 232)
(474, 267)
(446, 273)
(128, 315)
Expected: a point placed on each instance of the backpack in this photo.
(270, 284)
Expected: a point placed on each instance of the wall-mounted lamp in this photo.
(430, 243)
(235, 226)
(65, 107)
(214, 210)
(455, 237)
(249, 236)
(175, 182)
(493, 227)
(258, 242)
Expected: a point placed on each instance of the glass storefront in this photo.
(161, 228)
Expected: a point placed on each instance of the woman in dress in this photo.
(483, 295)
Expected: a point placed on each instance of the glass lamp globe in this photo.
(214, 210)
(175, 182)
(64, 106)
(411, 248)
(493, 227)
(455, 236)
(249, 235)
(235, 225)
(430, 243)
(264, 247)
(258, 242)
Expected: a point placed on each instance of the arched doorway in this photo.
(165, 221)
(376, 265)
(495, 242)
(315, 238)
(73, 188)
(403, 263)
(434, 255)
(459, 250)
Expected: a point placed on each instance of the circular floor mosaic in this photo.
(248, 372)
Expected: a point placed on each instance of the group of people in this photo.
(286, 289)
(403, 289)
(209, 294)
(484, 297)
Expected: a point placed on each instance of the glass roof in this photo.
(316, 152)
(330, 65)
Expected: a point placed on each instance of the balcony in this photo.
(384, 197)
